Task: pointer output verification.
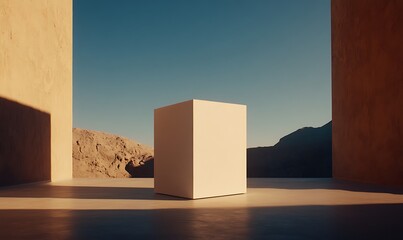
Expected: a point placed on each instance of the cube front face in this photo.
(219, 152)
(200, 149)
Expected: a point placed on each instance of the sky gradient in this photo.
(131, 57)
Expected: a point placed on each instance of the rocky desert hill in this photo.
(306, 152)
(98, 154)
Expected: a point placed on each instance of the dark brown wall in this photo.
(367, 85)
(24, 144)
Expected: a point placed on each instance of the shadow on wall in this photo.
(24, 144)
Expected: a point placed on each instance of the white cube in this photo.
(200, 149)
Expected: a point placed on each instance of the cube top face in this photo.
(200, 149)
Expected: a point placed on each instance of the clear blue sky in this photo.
(131, 56)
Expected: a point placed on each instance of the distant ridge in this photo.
(306, 152)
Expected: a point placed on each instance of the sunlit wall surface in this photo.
(35, 90)
(367, 89)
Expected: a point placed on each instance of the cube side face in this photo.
(173, 154)
(219, 166)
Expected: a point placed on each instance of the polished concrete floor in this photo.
(272, 209)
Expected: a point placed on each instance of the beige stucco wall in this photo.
(36, 68)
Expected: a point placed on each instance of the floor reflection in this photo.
(201, 224)
(378, 221)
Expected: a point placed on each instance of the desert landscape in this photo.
(103, 155)
(307, 152)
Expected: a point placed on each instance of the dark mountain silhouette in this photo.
(306, 152)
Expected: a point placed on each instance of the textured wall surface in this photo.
(36, 72)
(367, 85)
